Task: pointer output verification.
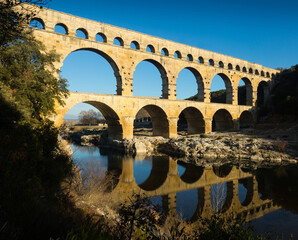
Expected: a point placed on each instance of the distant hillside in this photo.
(220, 96)
(68, 116)
(285, 92)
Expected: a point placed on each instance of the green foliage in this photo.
(220, 96)
(218, 227)
(33, 204)
(285, 92)
(27, 79)
(138, 219)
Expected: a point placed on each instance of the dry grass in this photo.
(94, 195)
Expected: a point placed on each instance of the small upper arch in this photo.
(100, 37)
(220, 64)
(201, 60)
(61, 28)
(118, 41)
(250, 70)
(177, 54)
(237, 68)
(165, 52)
(135, 45)
(267, 74)
(37, 23)
(150, 48)
(262, 74)
(189, 57)
(257, 72)
(211, 62)
(82, 33)
(230, 66)
(244, 69)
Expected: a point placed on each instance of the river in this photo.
(267, 198)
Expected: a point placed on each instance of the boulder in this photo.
(139, 147)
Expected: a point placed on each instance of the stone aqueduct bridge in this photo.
(169, 58)
(164, 180)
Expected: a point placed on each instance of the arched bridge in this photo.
(164, 180)
(169, 58)
(120, 112)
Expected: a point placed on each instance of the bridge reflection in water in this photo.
(164, 181)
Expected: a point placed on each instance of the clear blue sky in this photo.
(263, 31)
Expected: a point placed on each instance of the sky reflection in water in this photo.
(282, 221)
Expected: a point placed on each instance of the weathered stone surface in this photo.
(120, 111)
(139, 147)
(220, 147)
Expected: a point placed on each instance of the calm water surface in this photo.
(275, 191)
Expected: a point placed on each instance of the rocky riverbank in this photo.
(249, 147)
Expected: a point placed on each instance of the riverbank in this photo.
(249, 147)
(97, 202)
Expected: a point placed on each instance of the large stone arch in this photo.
(194, 120)
(222, 120)
(160, 123)
(192, 173)
(110, 60)
(163, 74)
(248, 92)
(263, 93)
(230, 199)
(246, 119)
(199, 81)
(222, 171)
(158, 174)
(228, 85)
(248, 184)
(204, 203)
(115, 129)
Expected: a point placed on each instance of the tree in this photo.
(32, 164)
(13, 24)
(90, 117)
(26, 76)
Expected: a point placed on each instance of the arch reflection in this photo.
(164, 182)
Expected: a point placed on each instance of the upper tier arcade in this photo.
(168, 56)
